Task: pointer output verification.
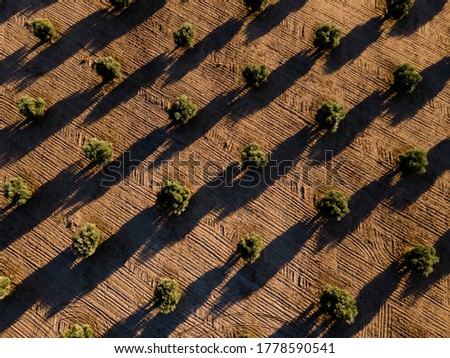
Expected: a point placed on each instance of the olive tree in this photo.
(108, 68)
(86, 241)
(339, 304)
(255, 75)
(406, 78)
(121, 4)
(250, 247)
(5, 286)
(421, 259)
(167, 295)
(43, 29)
(333, 205)
(182, 110)
(31, 108)
(330, 114)
(173, 198)
(253, 157)
(327, 37)
(16, 190)
(398, 8)
(413, 161)
(98, 151)
(256, 5)
(79, 331)
(184, 36)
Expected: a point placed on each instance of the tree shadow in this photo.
(129, 87)
(213, 42)
(412, 187)
(271, 18)
(37, 287)
(145, 228)
(233, 188)
(130, 326)
(12, 62)
(357, 120)
(193, 298)
(434, 81)
(252, 277)
(118, 171)
(370, 300)
(361, 205)
(64, 282)
(420, 14)
(354, 43)
(9, 8)
(94, 33)
(8, 130)
(305, 325)
(23, 138)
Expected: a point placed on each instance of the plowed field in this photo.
(222, 296)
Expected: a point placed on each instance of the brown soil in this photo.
(223, 297)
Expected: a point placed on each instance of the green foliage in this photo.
(255, 75)
(5, 287)
(420, 258)
(413, 161)
(184, 36)
(327, 37)
(330, 114)
(182, 110)
(173, 198)
(250, 247)
(406, 78)
(333, 205)
(398, 8)
(86, 241)
(253, 156)
(43, 29)
(167, 295)
(339, 304)
(108, 68)
(98, 151)
(256, 5)
(79, 331)
(16, 190)
(121, 4)
(31, 108)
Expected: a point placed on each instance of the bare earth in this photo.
(223, 297)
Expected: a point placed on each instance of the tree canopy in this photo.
(339, 304)
(167, 295)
